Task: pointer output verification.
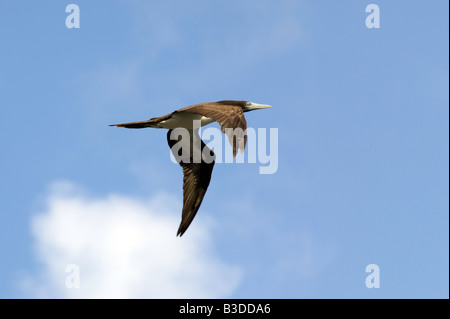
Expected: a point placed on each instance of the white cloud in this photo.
(124, 248)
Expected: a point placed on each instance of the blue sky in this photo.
(362, 118)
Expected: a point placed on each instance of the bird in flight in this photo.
(197, 172)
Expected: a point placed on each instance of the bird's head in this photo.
(246, 105)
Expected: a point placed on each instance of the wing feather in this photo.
(195, 183)
(230, 118)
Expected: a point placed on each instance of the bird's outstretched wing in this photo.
(195, 183)
(230, 118)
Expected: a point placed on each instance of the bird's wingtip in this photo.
(181, 231)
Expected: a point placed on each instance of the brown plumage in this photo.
(195, 182)
(230, 115)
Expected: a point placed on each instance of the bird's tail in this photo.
(142, 124)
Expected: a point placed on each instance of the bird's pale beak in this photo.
(256, 106)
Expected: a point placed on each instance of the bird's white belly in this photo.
(185, 119)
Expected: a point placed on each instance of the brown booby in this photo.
(197, 174)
